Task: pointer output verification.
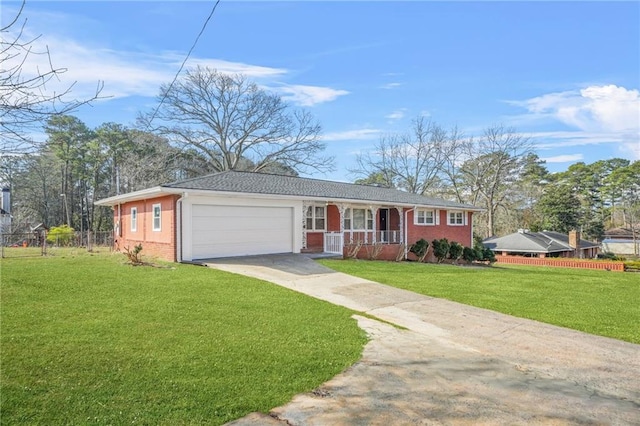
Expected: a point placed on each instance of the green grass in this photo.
(87, 339)
(596, 302)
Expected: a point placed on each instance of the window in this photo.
(424, 217)
(359, 219)
(456, 218)
(134, 219)
(315, 219)
(156, 217)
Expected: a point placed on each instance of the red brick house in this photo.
(239, 213)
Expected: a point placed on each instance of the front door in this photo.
(382, 226)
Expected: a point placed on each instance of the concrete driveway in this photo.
(455, 364)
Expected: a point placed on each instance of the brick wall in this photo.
(460, 234)
(160, 243)
(315, 241)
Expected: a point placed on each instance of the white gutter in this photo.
(406, 231)
(119, 220)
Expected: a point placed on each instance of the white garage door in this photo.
(223, 231)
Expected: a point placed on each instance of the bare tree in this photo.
(492, 166)
(235, 124)
(25, 101)
(412, 161)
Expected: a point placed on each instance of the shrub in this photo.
(420, 248)
(353, 249)
(134, 255)
(488, 255)
(60, 235)
(469, 254)
(373, 250)
(609, 256)
(455, 250)
(400, 252)
(440, 249)
(478, 247)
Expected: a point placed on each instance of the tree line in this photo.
(499, 172)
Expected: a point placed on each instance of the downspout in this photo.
(179, 228)
(472, 223)
(118, 234)
(406, 231)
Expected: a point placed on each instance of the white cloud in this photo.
(595, 108)
(309, 95)
(359, 134)
(606, 114)
(133, 73)
(391, 85)
(253, 71)
(573, 139)
(568, 158)
(396, 115)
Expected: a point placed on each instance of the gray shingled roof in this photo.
(259, 183)
(564, 239)
(533, 242)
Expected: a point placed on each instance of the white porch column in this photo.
(374, 212)
(341, 210)
(400, 212)
(305, 206)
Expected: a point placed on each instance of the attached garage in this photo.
(225, 230)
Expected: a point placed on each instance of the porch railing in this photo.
(333, 242)
(367, 237)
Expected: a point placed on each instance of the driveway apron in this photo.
(453, 363)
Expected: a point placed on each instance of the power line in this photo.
(164, 96)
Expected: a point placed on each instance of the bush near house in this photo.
(440, 249)
(469, 254)
(455, 251)
(420, 248)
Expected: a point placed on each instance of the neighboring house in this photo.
(542, 244)
(239, 213)
(621, 241)
(5, 222)
(5, 211)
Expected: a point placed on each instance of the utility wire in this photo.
(164, 96)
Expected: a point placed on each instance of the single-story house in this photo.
(236, 213)
(621, 241)
(542, 244)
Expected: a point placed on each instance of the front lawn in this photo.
(597, 302)
(86, 339)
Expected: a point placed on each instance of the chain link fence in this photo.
(36, 243)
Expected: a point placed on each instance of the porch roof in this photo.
(270, 184)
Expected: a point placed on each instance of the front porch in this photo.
(331, 227)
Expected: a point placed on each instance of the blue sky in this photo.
(567, 74)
